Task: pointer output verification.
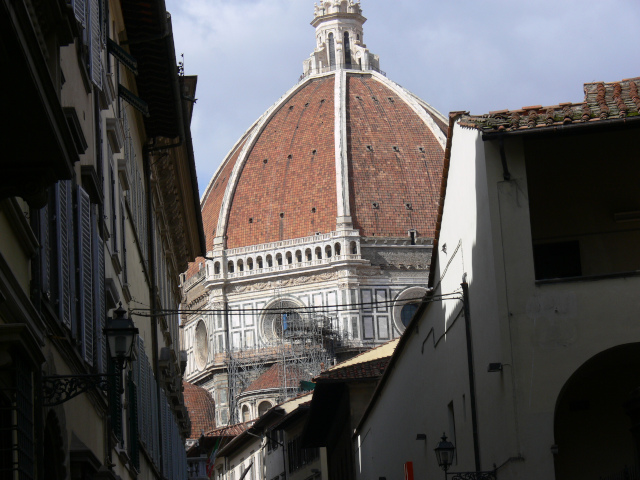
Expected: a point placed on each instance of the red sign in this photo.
(408, 471)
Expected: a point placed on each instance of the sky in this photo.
(471, 55)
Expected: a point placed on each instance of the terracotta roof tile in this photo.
(602, 101)
(369, 364)
(372, 369)
(273, 378)
(395, 162)
(230, 430)
(201, 409)
(288, 184)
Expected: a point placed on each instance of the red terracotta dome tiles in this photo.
(283, 179)
(201, 408)
(212, 204)
(395, 162)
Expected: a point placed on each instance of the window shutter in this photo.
(123, 244)
(99, 310)
(85, 268)
(66, 295)
(95, 43)
(165, 436)
(134, 448)
(78, 10)
(45, 256)
(115, 401)
(154, 417)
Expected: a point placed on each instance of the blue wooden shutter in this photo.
(45, 255)
(100, 348)
(134, 446)
(95, 43)
(66, 271)
(85, 275)
(79, 11)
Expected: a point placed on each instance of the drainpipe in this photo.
(472, 380)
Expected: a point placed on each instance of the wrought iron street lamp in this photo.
(120, 332)
(444, 453)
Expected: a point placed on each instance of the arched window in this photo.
(259, 262)
(307, 253)
(279, 259)
(327, 251)
(406, 314)
(298, 256)
(230, 267)
(216, 268)
(269, 261)
(250, 263)
(263, 408)
(347, 50)
(354, 248)
(245, 413)
(332, 51)
(338, 248)
(240, 265)
(289, 258)
(318, 253)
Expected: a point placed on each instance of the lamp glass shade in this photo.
(120, 333)
(444, 453)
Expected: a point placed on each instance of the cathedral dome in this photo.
(344, 148)
(319, 224)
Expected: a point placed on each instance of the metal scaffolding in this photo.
(299, 342)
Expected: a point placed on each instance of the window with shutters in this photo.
(123, 245)
(65, 255)
(84, 259)
(47, 217)
(113, 225)
(299, 457)
(115, 401)
(94, 41)
(134, 450)
(99, 297)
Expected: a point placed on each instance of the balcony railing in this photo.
(352, 66)
(197, 468)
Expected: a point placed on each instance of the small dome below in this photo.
(201, 408)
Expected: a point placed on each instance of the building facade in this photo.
(319, 225)
(99, 209)
(526, 350)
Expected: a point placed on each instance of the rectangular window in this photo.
(367, 300)
(383, 327)
(585, 219)
(354, 327)
(367, 327)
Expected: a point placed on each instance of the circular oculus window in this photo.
(280, 319)
(405, 305)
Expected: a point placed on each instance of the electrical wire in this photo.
(322, 308)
